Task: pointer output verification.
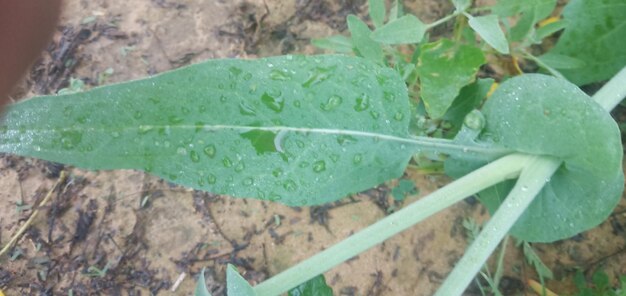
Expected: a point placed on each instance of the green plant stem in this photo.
(504, 168)
(613, 92)
(530, 182)
(443, 20)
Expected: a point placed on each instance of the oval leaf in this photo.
(489, 30)
(404, 30)
(444, 67)
(589, 183)
(298, 129)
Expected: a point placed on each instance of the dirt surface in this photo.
(127, 233)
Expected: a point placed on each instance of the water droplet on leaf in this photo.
(210, 150)
(194, 156)
(275, 104)
(333, 102)
(319, 166)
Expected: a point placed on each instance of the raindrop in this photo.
(334, 157)
(279, 139)
(223, 98)
(247, 76)
(276, 74)
(277, 172)
(524, 188)
(276, 104)
(143, 129)
(297, 104)
(357, 158)
(398, 116)
(274, 197)
(389, 96)
(248, 181)
(319, 166)
(362, 103)
(181, 151)
(137, 115)
(115, 134)
(319, 75)
(240, 167)
(175, 119)
(332, 103)
(246, 109)
(227, 162)
(210, 150)
(304, 164)
(374, 114)
(194, 156)
(290, 185)
(211, 179)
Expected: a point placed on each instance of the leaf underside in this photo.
(543, 115)
(300, 130)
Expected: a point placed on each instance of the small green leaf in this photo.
(362, 41)
(404, 30)
(403, 189)
(314, 287)
(294, 129)
(201, 289)
(444, 67)
(489, 30)
(594, 34)
(236, 285)
(589, 183)
(338, 43)
(559, 61)
(377, 12)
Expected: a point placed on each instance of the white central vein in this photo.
(443, 146)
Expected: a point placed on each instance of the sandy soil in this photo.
(147, 233)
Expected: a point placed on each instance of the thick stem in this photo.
(531, 181)
(613, 92)
(493, 173)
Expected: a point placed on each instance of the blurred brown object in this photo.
(25, 28)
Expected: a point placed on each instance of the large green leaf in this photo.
(444, 67)
(314, 287)
(298, 129)
(594, 34)
(543, 115)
